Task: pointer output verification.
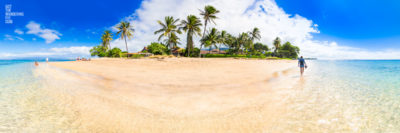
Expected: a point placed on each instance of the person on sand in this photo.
(302, 65)
(36, 63)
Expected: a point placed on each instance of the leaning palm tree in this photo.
(106, 38)
(277, 44)
(125, 30)
(192, 27)
(211, 39)
(209, 14)
(169, 27)
(223, 38)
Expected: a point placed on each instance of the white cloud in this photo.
(19, 38)
(241, 16)
(48, 34)
(83, 50)
(12, 38)
(18, 31)
(8, 37)
(64, 52)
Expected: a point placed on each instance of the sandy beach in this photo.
(172, 95)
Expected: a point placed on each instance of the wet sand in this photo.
(172, 95)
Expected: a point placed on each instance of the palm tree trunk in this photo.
(201, 45)
(127, 51)
(219, 49)
(188, 51)
(204, 32)
(172, 48)
(189, 43)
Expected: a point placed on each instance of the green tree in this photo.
(172, 42)
(230, 42)
(223, 38)
(157, 48)
(209, 14)
(288, 50)
(98, 51)
(115, 52)
(106, 38)
(168, 29)
(244, 41)
(192, 27)
(254, 35)
(260, 47)
(211, 39)
(277, 44)
(125, 30)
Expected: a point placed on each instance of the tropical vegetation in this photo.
(245, 44)
(157, 49)
(192, 27)
(169, 29)
(209, 15)
(125, 30)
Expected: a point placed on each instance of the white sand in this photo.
(172, 95)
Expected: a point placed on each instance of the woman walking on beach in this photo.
(302, 64)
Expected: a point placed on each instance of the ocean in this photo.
(332, 96)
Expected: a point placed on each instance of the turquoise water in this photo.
(333, 96)
(347, 96)
(24, 104)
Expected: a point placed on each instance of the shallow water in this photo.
(333, 96)
(25, 106)
(346, 96)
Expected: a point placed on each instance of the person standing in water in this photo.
(302, 64)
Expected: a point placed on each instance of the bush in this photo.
(135, 56)
(260, 47)
(157, 49)
(224, 56)
(288, 50)
(124, 54)
(195, 52)
(268, 54)
(115, 52)
(98, 51)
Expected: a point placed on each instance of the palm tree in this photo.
(244, 40)
(125, 30)
(106, 38)
(172, 41)
(208, 16)
(169, 27)
(222, 39)
(277, 44)
(230, 40)
(211, 39)
(192, 27)
(254, 35)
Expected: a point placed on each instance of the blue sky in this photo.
(79, 21)
(362, 23)
(367, 24)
